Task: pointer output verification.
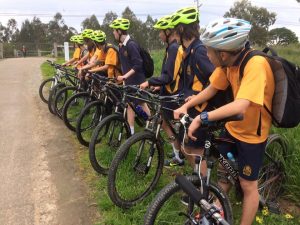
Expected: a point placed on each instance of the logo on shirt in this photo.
(125, 53)
(247, 170)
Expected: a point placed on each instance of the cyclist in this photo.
(111, 67)
(169, 79)
(131, 63)
(196, 70)
(227, 43)
(87, 59)
(79, 48)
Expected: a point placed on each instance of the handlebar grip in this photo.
(189, 188)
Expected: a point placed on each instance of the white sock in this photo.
(132, 130)
(176, 152)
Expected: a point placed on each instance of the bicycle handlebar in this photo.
(198, 198)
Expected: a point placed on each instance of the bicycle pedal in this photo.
(273, 207)
(141, 168)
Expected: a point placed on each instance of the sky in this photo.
(75, 11)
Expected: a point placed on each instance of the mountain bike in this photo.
(113, 130)
(138, 163)
(166, 208)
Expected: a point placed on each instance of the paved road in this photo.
(39, 181)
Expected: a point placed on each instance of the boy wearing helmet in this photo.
(196, 70)
(108, 54)
(227, 43)
(169, 79)
(78, 45)
(131, 62)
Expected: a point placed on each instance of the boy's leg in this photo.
(250, 201)
(130, 118)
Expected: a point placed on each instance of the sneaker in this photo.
(173, 163)
(171, 155)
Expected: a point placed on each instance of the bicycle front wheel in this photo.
(168, 207)
(45, 88)
(107, 137)
(135, 170)
(73, 107)
(88, 119)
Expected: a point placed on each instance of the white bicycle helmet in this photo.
(228, 34)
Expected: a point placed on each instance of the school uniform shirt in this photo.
(100, 54)
(257, 85)
(130, 58)
(76, 54)
(111, 59)
(197, 69)
(171, 69)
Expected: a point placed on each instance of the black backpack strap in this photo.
(194, 66)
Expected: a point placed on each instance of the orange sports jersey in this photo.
(76, 54)
(100, 56)
(112, 60)
(257, 85)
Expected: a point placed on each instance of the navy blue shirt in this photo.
(168, 72)
(130, 58)
(197, 68)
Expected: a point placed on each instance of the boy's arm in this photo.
(101, 68)
(200, 98)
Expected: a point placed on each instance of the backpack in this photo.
(286, 99)
(148, 63)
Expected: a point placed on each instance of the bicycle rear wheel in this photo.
(135, 170)
(167, 207)
(272, 174)
(107, 137)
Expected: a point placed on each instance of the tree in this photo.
(91, 23)
(260, 18)
(282, 36)
(11, 31)
(2, 30)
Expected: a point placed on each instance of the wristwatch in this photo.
(204, 118)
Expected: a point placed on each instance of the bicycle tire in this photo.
(101, 155)
(272, 174)
(136, 189)
(63, 94)
(100, 112)
(69, 119)
(174, 190)
(41, 89)
(52, 96)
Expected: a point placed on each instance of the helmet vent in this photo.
(230, 35)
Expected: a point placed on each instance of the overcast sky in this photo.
(75, 11)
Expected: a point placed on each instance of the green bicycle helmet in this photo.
(79, 39)
(87, 33)
(120, 23)
(73, 38)
(99, 36)
(186, 16)
(164, 23)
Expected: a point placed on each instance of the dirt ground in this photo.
(40, 182)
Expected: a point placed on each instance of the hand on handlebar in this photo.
(193, 127)
(179, 111)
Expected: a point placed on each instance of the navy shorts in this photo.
(249, 156)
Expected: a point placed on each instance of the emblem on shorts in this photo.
(247, 170)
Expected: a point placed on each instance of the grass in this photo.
(112, 215)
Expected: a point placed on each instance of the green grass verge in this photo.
(112, 215)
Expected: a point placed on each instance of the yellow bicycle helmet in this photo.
(77, 39)
(120, 23)
(164, 23)
(98, 36)
(73, 38)
(87, 33)
(186, 16)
